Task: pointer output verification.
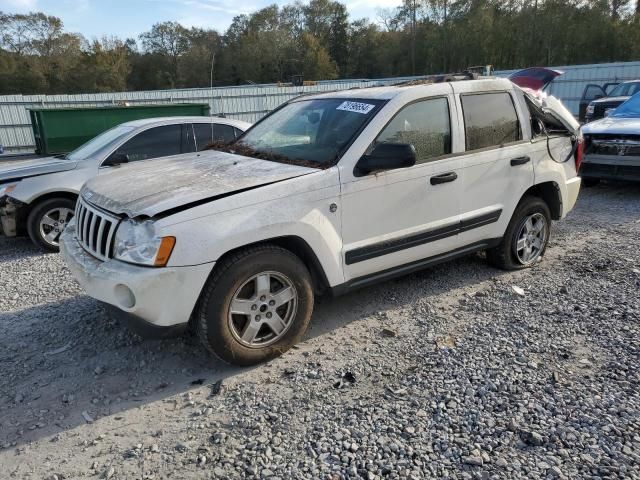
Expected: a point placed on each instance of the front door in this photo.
(396, 217)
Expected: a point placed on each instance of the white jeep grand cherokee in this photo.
(328, 193)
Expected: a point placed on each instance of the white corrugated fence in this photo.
(251, 102)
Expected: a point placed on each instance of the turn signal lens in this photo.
(164, 251)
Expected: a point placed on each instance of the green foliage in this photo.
(319, 41)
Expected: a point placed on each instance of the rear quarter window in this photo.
(208, 133)
(490, 120)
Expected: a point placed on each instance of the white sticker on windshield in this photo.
(357, 107)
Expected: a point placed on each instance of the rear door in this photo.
(591, 92)
(497, 163)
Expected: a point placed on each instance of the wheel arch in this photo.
(299, 247)
(550, 193)
(25, 211)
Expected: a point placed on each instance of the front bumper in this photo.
(151, 299)
(9, 210)
(611, 167)
(573, 190)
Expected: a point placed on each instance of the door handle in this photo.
(444, 178)
(520, 161)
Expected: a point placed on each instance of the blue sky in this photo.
(129, 18)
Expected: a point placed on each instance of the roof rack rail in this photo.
(471, 73)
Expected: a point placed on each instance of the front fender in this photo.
(30, 189)
(301, 209)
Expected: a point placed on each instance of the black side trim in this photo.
(412, 267)
(392, 246)
(480, 221)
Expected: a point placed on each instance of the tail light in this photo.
(579, 153)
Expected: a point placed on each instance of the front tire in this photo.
(47, 220)
(525, 241)
(255, 306)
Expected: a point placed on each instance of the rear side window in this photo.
(155, 142)
(490, 120)
(208, 133)
(426, 125)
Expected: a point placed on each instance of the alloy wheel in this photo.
(531, 238)
(53, 223)
(263, 309)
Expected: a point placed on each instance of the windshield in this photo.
(625, 89)
(313, 132)
(98, 143)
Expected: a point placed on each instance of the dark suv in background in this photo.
(596, 102)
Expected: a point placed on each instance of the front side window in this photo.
(426, 125)
(155, 142)
(490, 120)
(310, 132)
(100, 143)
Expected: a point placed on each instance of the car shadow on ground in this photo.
(66, 361)
(17, 248)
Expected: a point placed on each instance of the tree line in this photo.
(318, 40)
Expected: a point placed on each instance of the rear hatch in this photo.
(535, 78)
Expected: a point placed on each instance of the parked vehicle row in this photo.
(612, 145)
(326, 194)
(38, 196)
(598, 101)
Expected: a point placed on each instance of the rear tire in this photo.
(525, 241)
(47, 220)
(255, 306)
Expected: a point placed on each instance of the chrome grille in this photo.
(95, 230)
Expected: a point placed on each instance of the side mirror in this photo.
(115, 159)
(597, 96)
(387, 156)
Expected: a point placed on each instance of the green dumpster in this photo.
(61, 130)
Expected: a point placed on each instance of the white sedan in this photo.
(38, 196)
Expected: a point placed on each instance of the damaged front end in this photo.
(612, 144)
(610, 156)
(10, 212)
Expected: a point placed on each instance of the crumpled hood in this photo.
(154, 186)
(613, 125)
(18, 169)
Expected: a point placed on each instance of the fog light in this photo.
(125, 296)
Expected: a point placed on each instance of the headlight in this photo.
(137, 242)
(7, 189)
(591, 109)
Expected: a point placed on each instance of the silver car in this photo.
(38, 196)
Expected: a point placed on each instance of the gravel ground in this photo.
(450, 373)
